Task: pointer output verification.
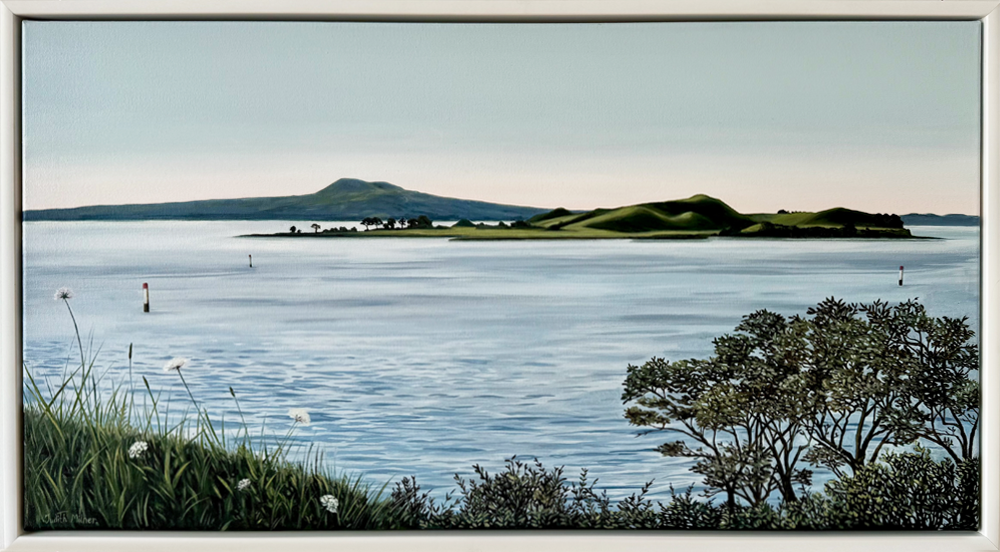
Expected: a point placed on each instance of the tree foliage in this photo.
(831, 389)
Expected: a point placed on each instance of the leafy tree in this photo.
(854, 387)
(421, 222)
(831, 389)
(391, 223)
(371, 221)
(315, 227)
(939, 355)
(888, 375)
(740, 410)
(292, 230)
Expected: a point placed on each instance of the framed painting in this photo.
(498, 274)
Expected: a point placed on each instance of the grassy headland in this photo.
(112, 462)
(696, 217)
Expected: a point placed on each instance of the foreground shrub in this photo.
(523, 496)
(909, 490)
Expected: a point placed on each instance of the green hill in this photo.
(697, 213)
(832, 218)
(558, 212)
(345, 199)
(705, 215)
(718, 212)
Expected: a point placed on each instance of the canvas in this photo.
(383, 276)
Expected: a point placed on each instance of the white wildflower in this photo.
(243, 485)
(137, 449)
(330, 502)
(300, 415)
(175, 364)
(63, 293)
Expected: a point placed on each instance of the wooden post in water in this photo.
(145, 297)
(251, 260)
(900, 275)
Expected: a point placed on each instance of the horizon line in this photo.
(519, 205)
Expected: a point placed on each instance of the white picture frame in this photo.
(12, 12)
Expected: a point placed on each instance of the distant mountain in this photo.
(916, 219)
(345, 199)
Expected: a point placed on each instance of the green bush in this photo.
(524, 496)
(909, 490)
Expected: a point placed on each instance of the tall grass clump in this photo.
(95, 458)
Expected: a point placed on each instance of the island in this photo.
(696, 217)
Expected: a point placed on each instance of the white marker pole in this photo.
(900, 275)
(145, 297)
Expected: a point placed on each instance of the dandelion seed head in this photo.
(243, 485)
(300, 415)
(63, 294)
(175, 364)
(137, 449)
(329, 502)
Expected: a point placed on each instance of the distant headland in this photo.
(345, 199)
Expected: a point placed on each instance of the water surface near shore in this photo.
(423, 357)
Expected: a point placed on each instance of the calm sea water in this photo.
(425, 356)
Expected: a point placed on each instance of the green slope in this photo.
(697, 213)
(556, 213)
(832, 218)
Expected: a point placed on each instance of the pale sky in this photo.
(877, 116)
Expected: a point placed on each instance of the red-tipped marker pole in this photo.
(145, 297)
(900, 275)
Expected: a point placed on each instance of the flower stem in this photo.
(131, 384)
(83, 361)
(181, 374)
(246, 430)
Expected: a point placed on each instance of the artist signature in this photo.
(66, 518)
